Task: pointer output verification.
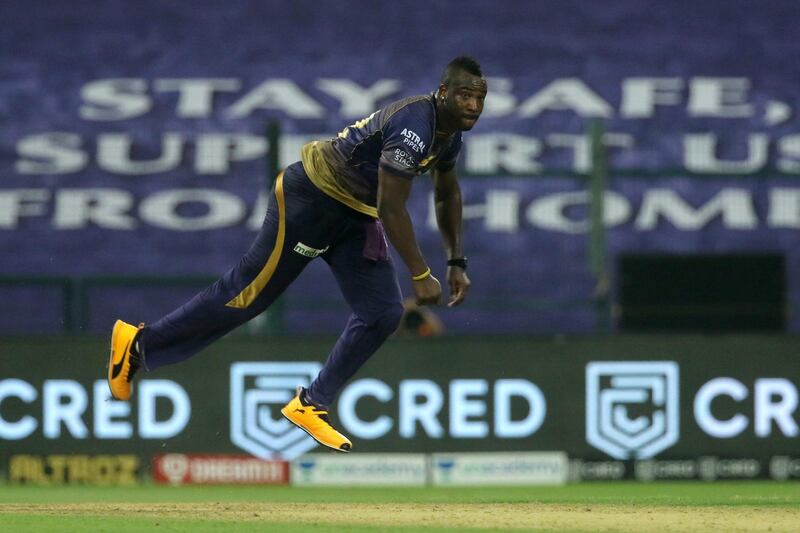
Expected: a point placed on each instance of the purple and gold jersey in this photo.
(400, 138)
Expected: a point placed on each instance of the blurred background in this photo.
(630, 196)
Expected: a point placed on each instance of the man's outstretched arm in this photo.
(393, 192)
(447, 196)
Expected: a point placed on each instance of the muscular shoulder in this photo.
(410, 120)
(420, 105)
(408, 128)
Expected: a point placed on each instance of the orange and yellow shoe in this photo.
(313, 419)
(123, 361)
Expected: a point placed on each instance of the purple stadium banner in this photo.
(132, 140)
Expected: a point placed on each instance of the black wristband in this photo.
(460, 262)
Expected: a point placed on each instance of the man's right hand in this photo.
(428, 291)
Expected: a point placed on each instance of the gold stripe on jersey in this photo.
(251, 292)
(322, 176)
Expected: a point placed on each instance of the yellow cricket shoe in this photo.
(314, 420)
(123, 362)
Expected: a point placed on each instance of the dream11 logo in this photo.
(258, 391)
(632, 407)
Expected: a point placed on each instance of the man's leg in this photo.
(371, 289)
(242, 293)
(369, 284)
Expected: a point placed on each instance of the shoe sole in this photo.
(340, 450)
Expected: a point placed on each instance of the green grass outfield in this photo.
(626, 506)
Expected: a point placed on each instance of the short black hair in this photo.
(465, 63)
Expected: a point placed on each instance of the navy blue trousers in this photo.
(301, 222)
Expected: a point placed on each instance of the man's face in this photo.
(463, 99)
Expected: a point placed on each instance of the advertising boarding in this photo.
(651, 408)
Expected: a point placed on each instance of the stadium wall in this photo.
(137, 130)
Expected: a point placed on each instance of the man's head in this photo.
(461, 94)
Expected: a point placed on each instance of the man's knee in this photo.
(389, 318)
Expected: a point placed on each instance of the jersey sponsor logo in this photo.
(258, 391)
(308, 251)
(632, 407)
(413, 140)
(403, 158)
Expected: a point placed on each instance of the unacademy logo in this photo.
(307, 468)
(632, 407)
(445, 467)
(258, 391)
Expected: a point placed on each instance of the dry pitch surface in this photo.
(627, 507)
(524, 516)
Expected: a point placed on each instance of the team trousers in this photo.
(301, 222)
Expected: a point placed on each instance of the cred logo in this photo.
(258, 391)
(632, 407)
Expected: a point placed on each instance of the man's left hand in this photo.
(459, 284)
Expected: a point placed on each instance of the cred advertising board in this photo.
(622, 399)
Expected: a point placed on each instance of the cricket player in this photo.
(340, 203)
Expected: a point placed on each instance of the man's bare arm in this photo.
(393, 192)
(447, 197)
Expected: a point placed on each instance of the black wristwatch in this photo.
(460, 262)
